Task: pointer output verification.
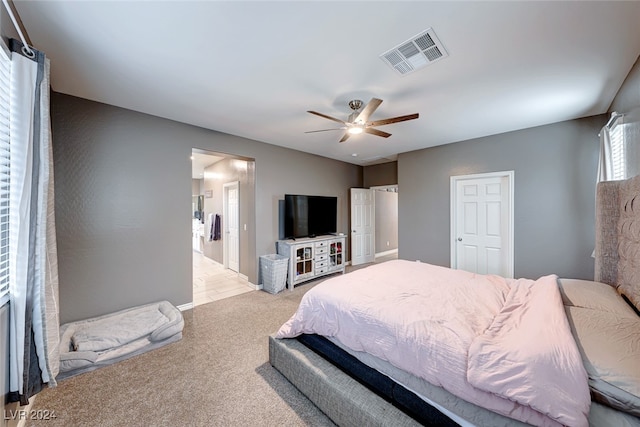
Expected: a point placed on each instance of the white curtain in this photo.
(34, 337)
(605, 164)
(607, 161)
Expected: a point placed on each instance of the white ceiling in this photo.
(254, 68)
(201, 161)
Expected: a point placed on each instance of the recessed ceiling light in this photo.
(354, 155)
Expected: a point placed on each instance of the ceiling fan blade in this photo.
(393, 120)
(377, 132)
(327, 117)
(324, 130)
(368, 110)
(345, 137)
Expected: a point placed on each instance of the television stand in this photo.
(313, 257)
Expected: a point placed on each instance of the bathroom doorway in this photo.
(220, 269)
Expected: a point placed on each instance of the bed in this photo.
(403, 343)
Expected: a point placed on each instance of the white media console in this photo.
(312, 257)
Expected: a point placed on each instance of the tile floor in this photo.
(212, 282)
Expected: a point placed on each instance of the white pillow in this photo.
(610, 349)
(595, 296)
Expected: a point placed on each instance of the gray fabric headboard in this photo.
(617, 251)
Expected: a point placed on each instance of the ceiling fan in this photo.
(358, 121)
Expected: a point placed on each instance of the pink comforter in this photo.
(503, 344)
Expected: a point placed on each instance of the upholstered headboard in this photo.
(617, 252)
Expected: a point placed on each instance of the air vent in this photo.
(417, 52)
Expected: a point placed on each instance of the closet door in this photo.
(482, 224)
(362, 226)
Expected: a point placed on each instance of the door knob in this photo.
(459, 239)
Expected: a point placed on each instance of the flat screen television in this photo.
(309, 216)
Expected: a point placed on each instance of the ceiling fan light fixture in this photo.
(355, 104)
(358, 121)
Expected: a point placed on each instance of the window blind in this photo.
(618, 152)
(5, 73)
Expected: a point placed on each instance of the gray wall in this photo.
(197, 187)
(555, 171)
(386, 221)
(382, 174)
(627, 101)
(123, 187)
(6, 27)
(628, 97)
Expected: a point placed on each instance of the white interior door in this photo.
(362, 226)
(482, 223)
(232, 226)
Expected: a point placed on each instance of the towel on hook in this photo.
(216, 228)
(211, 222)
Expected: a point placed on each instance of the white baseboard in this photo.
(251, 285)
(185, 307)
(385, 253)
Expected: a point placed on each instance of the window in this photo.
(618, 151)
(5, 71)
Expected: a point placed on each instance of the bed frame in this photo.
(343, 399)
(349, 403)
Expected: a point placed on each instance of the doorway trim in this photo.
(510, 175)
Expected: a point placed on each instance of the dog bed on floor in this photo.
(89, 344)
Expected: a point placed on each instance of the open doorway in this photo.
(374, 224)
(218, 180)
(386, 222)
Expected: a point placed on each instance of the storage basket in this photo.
(273, 269)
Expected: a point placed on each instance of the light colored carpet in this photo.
(217, 375)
